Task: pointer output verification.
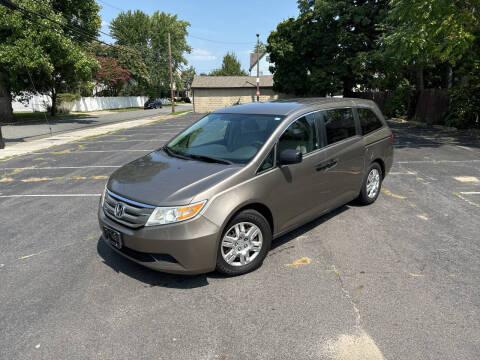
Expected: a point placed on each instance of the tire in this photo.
(232, 244)
(367, 195)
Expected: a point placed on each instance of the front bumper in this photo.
(188, 247)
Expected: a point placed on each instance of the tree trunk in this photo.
(348, 88)
(53, 109)
(6, 111)
(420, 82)
(449, 77)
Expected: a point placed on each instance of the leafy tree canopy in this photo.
(429, 31)
(37, 54)
(323, 50)
(230, 67)
(149, 35)
(260, 47)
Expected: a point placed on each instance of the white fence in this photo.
(36, 103)
(40, 103)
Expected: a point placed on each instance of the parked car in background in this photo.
(153, 104)
(217, 194)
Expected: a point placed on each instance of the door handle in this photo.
(332, 164)
(327, 165)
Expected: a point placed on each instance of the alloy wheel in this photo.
(241, 244)
(373, 183)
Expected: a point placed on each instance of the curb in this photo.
(72, 136)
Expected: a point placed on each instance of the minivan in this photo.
(217, 194)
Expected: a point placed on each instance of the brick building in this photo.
(214, 92)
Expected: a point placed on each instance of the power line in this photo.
(78, 28)
(110, 5)
(221, 42)
(192, 36)
(91, 37)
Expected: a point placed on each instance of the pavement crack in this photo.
(358, 318)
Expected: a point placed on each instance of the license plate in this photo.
(113, 237)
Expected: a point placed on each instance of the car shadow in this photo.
(150, 277)
(419, 137)
(291, 235)
(153, 278)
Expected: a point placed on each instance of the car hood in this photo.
(162, 180)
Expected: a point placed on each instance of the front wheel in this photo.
(371, 184)
(245, 243)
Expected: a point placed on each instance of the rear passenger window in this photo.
(368, 120)
(301, 136)
(339, 124)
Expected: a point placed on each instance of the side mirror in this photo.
(290, 156)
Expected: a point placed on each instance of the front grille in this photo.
(134, 214)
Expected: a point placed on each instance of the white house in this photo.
(264, 64)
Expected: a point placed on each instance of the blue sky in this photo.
(230, 25)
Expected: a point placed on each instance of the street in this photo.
(27, 131)
(394, 280)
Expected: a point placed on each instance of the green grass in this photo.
(36, 116)
(126, 109)
(180, 112)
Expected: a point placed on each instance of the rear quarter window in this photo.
(339, 124)
(368, 121)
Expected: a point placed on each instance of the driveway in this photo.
(394, 280)
(31, 130)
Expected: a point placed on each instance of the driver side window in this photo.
(301, 136)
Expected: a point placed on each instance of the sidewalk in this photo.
(64, 138)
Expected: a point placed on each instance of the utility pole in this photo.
(258, 67)
(171, 73)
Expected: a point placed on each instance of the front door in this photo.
(299, 187)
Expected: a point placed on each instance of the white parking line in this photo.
(62, 167)
(50, 195)
(436, 161)
(95, 151)
(470, 192)
(118, 141)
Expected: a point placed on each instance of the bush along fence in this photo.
(431, 106)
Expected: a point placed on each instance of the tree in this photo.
(128, 58)
(322, 51)
(38, 55)
(230, 67)
(186, 78)
(260, 48)
(149, 36)
(111, 75)
(424, 33)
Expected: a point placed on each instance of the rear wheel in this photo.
(372, 183)
(245, 243)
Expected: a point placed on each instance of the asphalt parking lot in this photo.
(395, 280)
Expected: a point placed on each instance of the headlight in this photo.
(168, 215)
(102, 198)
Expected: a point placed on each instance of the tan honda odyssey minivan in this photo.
(219, 192)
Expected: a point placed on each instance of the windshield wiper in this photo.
(209, 159)
(171, 152)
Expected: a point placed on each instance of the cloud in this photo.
(104, 23)
(202, 55)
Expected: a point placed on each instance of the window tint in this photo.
(268, 162)
(339, 124)
(301, 136)
(369, 121)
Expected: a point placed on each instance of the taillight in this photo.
(391, 138)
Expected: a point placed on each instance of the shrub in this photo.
(398, 101)
(465, 101)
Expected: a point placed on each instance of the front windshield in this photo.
(232, 137)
